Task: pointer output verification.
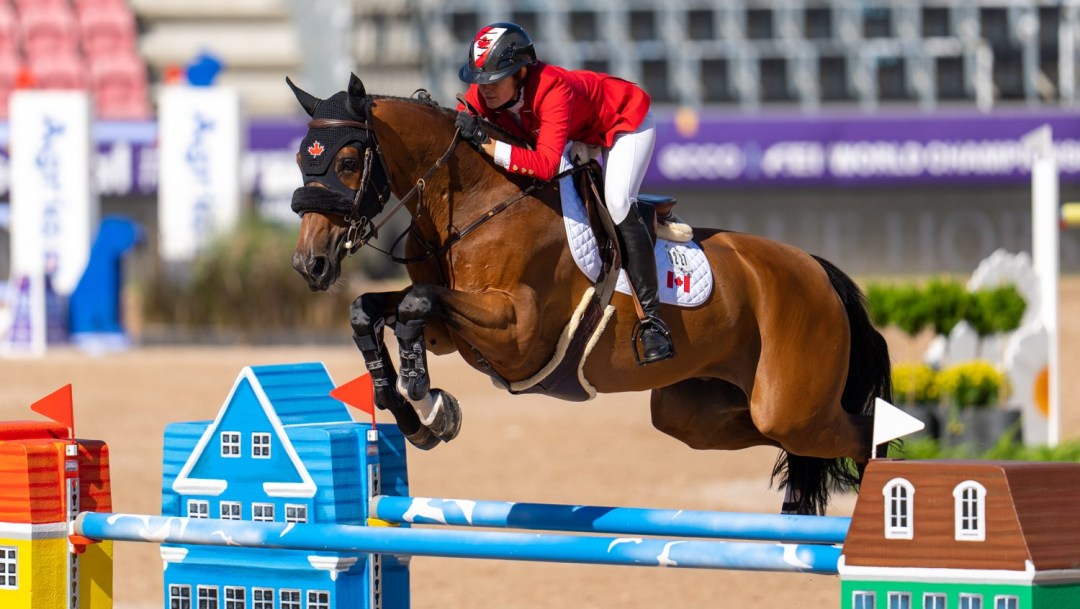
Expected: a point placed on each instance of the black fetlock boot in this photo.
(384, 381)
(640, 266)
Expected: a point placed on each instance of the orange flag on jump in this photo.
(358, 393)
(58, 407)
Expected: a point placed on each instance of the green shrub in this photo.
(942, 303)
(1005, 449)
(244, 284)
(996, 310)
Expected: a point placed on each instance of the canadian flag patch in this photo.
(678, 280)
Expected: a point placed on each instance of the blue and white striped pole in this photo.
(616, 520)
(462, 544)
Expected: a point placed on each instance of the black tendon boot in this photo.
(641, 267)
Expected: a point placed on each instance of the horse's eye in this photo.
(348, 164)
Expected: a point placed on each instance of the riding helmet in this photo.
(498, 51)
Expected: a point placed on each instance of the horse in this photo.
(782, 353)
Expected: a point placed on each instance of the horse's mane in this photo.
(450, 113)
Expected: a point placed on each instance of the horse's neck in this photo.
(457, 194)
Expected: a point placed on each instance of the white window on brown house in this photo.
(969, 499)
(899, 504)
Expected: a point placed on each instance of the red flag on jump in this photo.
(58, 407)
(358, 393)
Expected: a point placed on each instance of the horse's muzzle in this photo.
(319, 271)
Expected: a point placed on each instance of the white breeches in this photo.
(624, 167)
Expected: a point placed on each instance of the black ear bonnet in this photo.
(318, 150)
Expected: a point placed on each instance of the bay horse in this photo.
(782, 353)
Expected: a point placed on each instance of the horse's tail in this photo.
(810, 480)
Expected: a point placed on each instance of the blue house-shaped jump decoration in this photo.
(281, 449)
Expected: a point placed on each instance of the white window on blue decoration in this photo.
(230, 510)
(262, 512)
(969, 499)
(295, 513)
(260, 445)
(235, 597)
(230, 444)
(198, 508)
(899, 600)
(899, 509)
(290, 599)
(9, 568)
(1006, 601)
(933, 600)
(318, 599)
(862, 599)
(207, 597)
(970, 601)
(262, 598)
(179, 596)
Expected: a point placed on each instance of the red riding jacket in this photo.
(561, 105)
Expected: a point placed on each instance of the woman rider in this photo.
(548, 107)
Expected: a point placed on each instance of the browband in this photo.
(332, 123)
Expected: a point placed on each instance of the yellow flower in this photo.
(972, 383)
(914, 384)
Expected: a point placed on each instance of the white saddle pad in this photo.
(684, 277)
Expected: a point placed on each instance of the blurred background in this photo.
(884, 135)
(147, 161)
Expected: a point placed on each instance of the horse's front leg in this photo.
(438, 410)
(368, 318)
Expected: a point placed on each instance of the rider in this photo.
(548, 106)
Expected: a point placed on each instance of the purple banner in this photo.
(692, 149)
(801, 149)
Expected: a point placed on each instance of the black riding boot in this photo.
(641, 267)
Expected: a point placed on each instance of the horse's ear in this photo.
(308, 101)
(355, 103)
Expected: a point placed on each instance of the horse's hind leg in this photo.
(367, 316)
(706, 414)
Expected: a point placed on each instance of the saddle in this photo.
(563, 376)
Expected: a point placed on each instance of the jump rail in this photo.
(632, 551)
(615, 520)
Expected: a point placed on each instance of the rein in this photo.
(491, 213)
(362, 230)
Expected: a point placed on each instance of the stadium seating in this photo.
(47, 29)
(118, 82)
(10, 67)
(59, 71)
(9, 30)
(106, 29)
(76, 44)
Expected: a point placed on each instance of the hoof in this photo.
(423, 439)
(416, 387)
(447, 421)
